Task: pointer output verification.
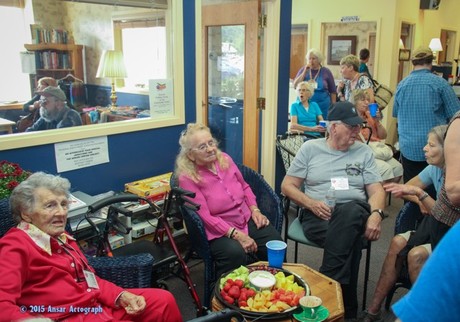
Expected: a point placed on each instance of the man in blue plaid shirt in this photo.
(422, 101)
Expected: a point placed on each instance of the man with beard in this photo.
(54, 112)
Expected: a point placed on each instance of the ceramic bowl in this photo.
(262, 280)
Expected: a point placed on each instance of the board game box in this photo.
(153, 188)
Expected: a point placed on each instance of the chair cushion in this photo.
(296, 233)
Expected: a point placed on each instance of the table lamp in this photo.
(112, 66)
(435, 45)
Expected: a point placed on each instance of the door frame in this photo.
(268, 123)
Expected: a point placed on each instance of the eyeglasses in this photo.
(351, 127)
(46, 100)
(203, 147)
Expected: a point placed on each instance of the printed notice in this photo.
(161, 97)
(81, 153)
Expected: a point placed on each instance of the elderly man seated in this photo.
(54, 112)
(347, 166)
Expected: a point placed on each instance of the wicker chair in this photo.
(267, 201)
(127, 272)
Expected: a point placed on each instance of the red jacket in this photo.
(32, 282)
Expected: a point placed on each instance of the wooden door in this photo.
(231, 77)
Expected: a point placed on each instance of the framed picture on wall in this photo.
(339, 47)
(404, 54)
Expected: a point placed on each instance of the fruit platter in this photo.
(242, 290)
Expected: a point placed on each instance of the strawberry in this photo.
(238, 283)
(229, 299)
(234, 292)
(250, 292)
(242, 303)
(227, 286)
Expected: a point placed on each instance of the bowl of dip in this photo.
(262, 280)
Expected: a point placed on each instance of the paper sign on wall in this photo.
(81, 153)
(161, 97)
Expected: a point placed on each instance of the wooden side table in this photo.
(6, 125)
(320, 285)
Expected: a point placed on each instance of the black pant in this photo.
(438, 230)
(411, 168)
(228, 253)
(342, 240)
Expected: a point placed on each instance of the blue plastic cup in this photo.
(373, 107)
(276, 251)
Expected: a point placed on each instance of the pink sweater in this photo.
(224, 197)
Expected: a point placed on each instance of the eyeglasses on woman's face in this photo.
(203, 147)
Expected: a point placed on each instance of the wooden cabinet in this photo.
(58, 60)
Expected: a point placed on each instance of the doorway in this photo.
(231, 77)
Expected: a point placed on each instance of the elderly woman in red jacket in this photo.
(44, 273)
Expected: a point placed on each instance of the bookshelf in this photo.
(58, 60)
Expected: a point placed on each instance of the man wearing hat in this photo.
(342, 162)
(422, 101)
(54, 112)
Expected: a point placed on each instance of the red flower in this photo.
(11, 175)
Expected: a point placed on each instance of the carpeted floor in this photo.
(307, 255)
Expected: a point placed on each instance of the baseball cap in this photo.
(345, 112)
(422, 52)
(53, 91)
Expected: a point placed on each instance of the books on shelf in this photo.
(43, 35)
(52, 60)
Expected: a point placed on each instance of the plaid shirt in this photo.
(422, 101)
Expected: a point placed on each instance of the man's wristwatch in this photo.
(381, 213)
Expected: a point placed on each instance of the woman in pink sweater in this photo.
(234, 224)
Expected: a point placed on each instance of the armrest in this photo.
(133, 271)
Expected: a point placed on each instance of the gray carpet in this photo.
(309, 256)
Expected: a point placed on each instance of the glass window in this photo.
(144, 59)
(145, 46)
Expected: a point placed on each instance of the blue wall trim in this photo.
(134, 155)
(283, 81)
